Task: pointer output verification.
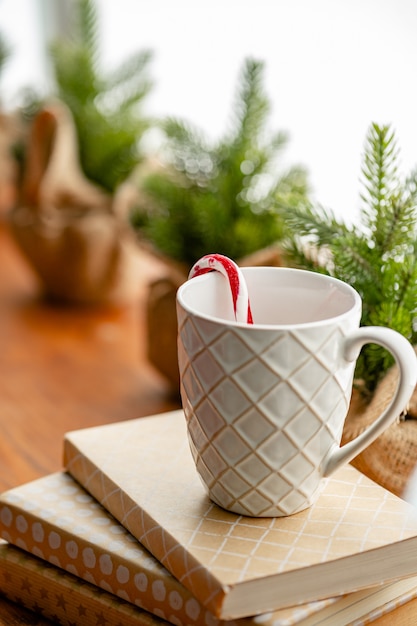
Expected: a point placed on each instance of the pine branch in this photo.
(291, 189)
(400, 285)
(130, 78)
(105, 108)
(398, 229)
(227, 202)
(318, 225)
(379, 173)
(185, 143)
(86, 31)
(378, 256)
(251, 104)
(354, 261)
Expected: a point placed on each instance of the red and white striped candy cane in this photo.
(237, 283)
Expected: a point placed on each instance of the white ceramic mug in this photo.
(265, 404)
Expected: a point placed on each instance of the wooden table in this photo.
(63, 368)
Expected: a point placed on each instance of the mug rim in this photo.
(325, 278)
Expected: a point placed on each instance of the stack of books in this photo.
(127, 535)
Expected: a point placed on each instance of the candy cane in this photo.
(237, 283)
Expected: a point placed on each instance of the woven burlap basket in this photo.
(392, 458)
(76, 237)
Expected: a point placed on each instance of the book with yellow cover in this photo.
(356, 535)
(56, 520)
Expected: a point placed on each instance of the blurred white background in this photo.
(332, 67)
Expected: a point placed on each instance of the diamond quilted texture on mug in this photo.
(302, 428)
(297, 471)
(257, 340)
(234, 484)
(344, 377)
(229, 400)
(313, 339)
(207, 370)
(285, 355)
(193, 449)
(213, 461)
(204, 472)
(273, 485)
(319, 445)
(197, 433)
(336, 419)
(254, 503)
(281, 404)
(220, 496)
(330, 399)
(209, 331)
(187, 408)
(312, 484)
(253, 469)
(256, 379)
(329, 350)
(277, 450)
(294, 502)
(230, 446)
(310, 382)
(182, 357)
(231, 351)
(192, 387)
(254, 427)
(210, 420)
(190, 337)
(309, 377)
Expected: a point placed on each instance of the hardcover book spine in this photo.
(62, 597)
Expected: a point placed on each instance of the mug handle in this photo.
(406, 360)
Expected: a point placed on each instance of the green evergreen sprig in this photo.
(106, 106)
(221, 196)
(376, 256)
